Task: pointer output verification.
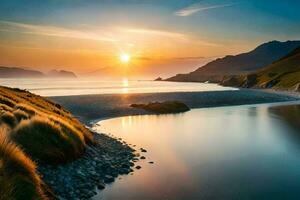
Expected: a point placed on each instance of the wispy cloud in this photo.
(107, 34)
(198, 7)
(161, 33)
(119, 37)
(145, 58)
(182, 37)
(189, 58)
(52, 31)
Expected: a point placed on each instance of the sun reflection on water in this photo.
(125, 85)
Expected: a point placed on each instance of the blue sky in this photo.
(244, 19)
(174, 28)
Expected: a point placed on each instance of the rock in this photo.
(250, 81)
(125, 166)
(138, 167)
(109, 179)
(142, 157)
(151, 162)
(271, 83)
(100, 185)
(232, 81)
(125, 171)
(163, 107)
(297, 87)
(143, 150)
(137, 155)
(114, 173)
(80, 174)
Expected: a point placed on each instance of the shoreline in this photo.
(89, 108)
(99, 165)
(272, 104)
(283, 92)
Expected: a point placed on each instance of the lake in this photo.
(82, 86)
(240, 152)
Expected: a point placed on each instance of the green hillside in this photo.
(282, 74)
(285, 73)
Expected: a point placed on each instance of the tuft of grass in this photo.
(4, 108)
(18, 177)
(6, 101)
(8, 118)
(20, 115)
(55, 143)
(26, 108)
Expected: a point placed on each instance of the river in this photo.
(237, 152)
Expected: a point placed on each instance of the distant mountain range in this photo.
(61, 74)
(241, 64)
(16, 72)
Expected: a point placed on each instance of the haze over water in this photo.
(66, 87)
(241, 152)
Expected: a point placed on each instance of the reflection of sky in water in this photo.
(229, 152)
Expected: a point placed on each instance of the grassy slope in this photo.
(34, 129)
(18, 178)
(284, 74)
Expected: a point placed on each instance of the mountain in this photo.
(61, 74)
(244, 63)
(15, 72)
(282, 74)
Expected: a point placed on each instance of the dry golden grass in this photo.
(20, 115)
(44, 131)
(34, 105)
(26, 108)
(54, 142)
(4, 108)
(18, 177)
(8, 118)
(6, 101)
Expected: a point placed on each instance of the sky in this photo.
(162, 37)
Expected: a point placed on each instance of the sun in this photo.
(125, 58)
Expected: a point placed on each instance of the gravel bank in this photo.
(91, 107)
(101, 164)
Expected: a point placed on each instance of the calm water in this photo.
(242, 152)
(66, 87)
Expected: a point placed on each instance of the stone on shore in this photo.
(163, 107)
(138, 167)
(101, 164)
